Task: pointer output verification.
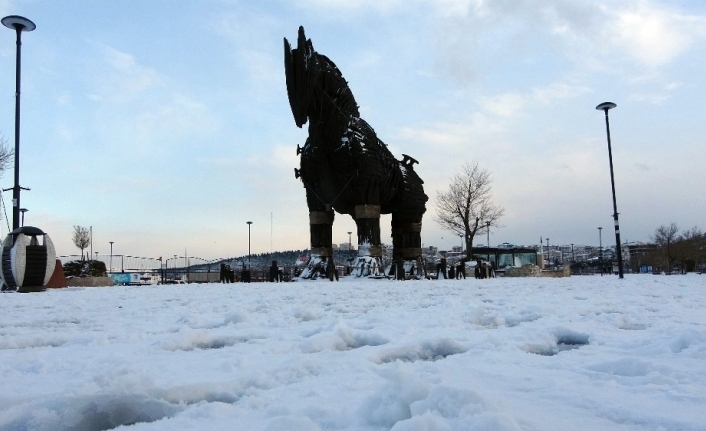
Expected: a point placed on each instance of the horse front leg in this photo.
(320, 229)
(321, 238)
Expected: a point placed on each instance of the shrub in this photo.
(85, 268)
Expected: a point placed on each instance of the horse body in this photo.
(346, 168)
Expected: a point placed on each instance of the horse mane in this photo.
(335, 86)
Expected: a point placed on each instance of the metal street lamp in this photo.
(548, 262)
(606, 106)
(23, 211)
(487, 226)
(487, 230)
(111, 255)
(573, 258)
(19, 24)
(249, 223)
(600, 249)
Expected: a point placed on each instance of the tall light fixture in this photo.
(19, 24)
(600, 249)
(606, 106)
(249, 223)
(487, 229)
(111, 256)
(548, 262)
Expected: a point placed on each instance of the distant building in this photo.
(344, 246)
(502, 258)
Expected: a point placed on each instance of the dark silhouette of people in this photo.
(479, 273)
(275, 273)
(461, 270)
(244, 274)
(441, 268)
(226, 274)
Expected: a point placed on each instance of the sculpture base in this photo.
(30, 289)
(406, 270)
(368, 266)
(320, 267)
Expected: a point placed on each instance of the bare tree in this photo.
(665, 237)
(5, 155)
(690, 247)
(467, 207)
(81, 238)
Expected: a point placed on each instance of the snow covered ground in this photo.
(580, 353)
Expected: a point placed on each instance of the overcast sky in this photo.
(165, 125)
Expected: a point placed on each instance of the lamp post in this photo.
(249, 223)
(600, 249)
(23, 211)
(573, 258)
(19, 24)
(111, 255)
(606, 106)
(487, 231)
(548, 262)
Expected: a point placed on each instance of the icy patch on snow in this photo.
(37, 341)
(433, 350)
(95, 412)
(624, 367)
(342, 338)
(306, 314)
(391, 403)
(188, 340)
(562, 340)
(291, 422)
(406, 403)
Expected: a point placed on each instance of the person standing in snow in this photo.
(461, 271)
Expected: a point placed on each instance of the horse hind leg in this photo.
(406, 244)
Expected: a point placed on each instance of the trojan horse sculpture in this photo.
(346, 168)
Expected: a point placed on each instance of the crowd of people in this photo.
(457, 270)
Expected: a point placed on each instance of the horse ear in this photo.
(301, 39)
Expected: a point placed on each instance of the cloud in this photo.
(504, 105)
(178, 117)
(347, 6)
(596, 35)
(121, 79)
(557, 91)
(509, 105)
(655, 35)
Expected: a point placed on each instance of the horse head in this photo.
(302, 73)
(309, 76)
